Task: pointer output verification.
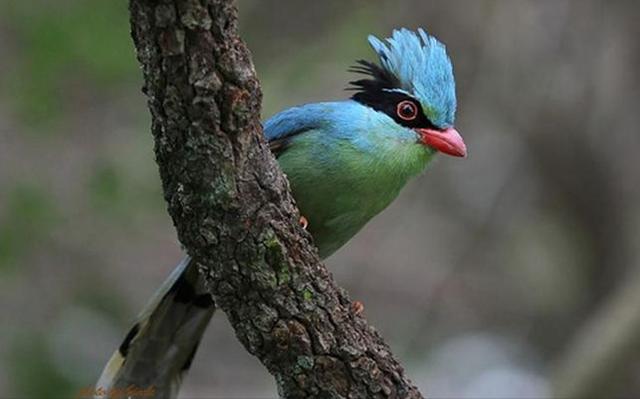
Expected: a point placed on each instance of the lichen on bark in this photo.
(234, 214)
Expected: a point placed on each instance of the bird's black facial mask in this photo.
(378, 93)
(390, 102)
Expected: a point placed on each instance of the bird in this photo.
(345, 160)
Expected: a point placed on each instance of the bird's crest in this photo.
(415, 64)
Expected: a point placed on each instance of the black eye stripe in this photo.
(387, 102)
(375, 92)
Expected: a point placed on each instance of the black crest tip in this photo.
(380, 77)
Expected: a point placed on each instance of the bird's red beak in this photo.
(447, 141)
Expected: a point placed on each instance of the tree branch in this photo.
(233, 212)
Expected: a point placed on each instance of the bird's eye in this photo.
(407, 110)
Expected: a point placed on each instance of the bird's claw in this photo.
(304, 222)
(357, 307)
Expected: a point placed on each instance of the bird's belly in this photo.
(338, 210)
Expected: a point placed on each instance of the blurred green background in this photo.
(480, 276)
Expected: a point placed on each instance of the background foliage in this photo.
(481, 275)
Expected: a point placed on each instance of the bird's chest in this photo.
(339, 194)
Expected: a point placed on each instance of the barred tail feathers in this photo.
(158, 350)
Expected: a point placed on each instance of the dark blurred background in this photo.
(485, 276)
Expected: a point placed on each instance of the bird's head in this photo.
(413, 85)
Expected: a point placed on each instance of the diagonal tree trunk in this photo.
(233, 212)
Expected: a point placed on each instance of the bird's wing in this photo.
(280, 144)
(281, 128)
(159, 348)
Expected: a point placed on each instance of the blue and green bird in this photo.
(346, 161)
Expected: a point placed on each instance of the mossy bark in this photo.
(234, 214)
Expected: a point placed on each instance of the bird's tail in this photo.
(159, 348)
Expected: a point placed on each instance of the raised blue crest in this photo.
(418, 65)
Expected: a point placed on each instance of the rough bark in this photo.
(234, 214)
